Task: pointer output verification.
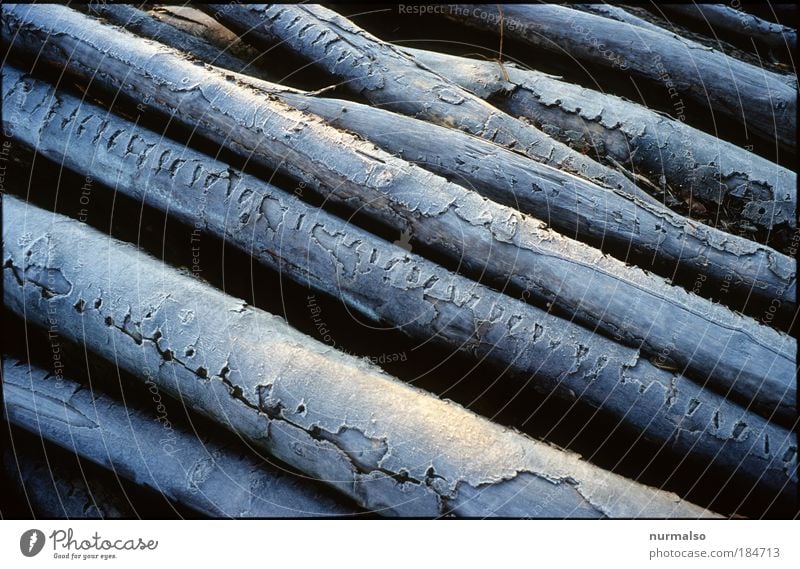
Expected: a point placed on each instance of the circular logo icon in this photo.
(31, 542)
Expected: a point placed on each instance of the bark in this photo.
(54, 486)
(667, 151)
(558, 198)
(751, 362)
(618, 14)
(392, 448)
(742, 92)
(662, 241)
(731, 23)
(384, 76)
(198, 24)
(384, 282)
(148, 25)
(200, 470)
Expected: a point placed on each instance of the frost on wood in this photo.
(669, 152)
(392, 448)
(421, 299)
(203, 471)
(722, 349)
(651, 236)
(731, 23)
(385, 76)
(764, 100)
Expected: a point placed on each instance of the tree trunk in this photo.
(662, 241)
(668, 152)
(203, 471)
(381, 280)
(740, 27)
(385, 76)
(618, 14)
(753, 363)
(392, 448)
(761, 273)
(764, 100)
(148, 25)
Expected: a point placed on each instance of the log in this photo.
(764, 101)
(206, 472)
(392, 448)
(666, 151)
(198, 24)
(389, 285)
(54, 486)
(736, 25)
(751, 362)
(616, 13)
(559, 198)
(148, 25)
(384, 76)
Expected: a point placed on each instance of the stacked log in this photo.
(542, 233)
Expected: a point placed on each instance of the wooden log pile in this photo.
(580, 250)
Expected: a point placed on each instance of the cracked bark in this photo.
(764, 100)
(742, 27)
(751, 362)
(653, 238)
(385, 76)
(392, 448)
(380, 281)
(203, 471)
(666, 151)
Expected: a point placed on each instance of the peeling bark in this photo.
(210, 475)
(763, 100)
(392, 448)
(385, 76)
(668, 152)
(734, 354)
(212, 346)
(734, 24)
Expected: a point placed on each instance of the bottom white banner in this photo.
(398, 543)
